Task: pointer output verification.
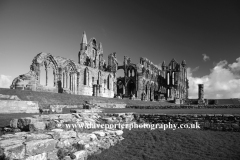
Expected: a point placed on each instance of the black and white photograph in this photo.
(119, 80)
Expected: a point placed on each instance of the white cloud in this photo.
(205, 57)
(5, 81)
(222, 82)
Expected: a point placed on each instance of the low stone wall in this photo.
(184, 106)
(40, 138)
(110, 105)
(12, 106)
(9, 97)
(59, 108)
(219, 122)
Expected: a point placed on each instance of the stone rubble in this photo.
(41, 139)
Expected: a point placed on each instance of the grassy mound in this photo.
(46, 98)
(143, 144)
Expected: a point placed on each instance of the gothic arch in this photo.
(86, 76)
(109, 82)
(99, 77)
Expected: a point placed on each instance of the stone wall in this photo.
(12, 106)
(219, 122)
(40, 138)
(185, 106)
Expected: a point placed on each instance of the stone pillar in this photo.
(94, 90)
(70, 81)
(73, 83)
(78, 78)
(54, 78)
(123, 90)
(67, 80)
(98, 90)
(46, 69)
(59, 83)
(200, 93)
(63, 85)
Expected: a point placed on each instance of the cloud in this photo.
(222, 82)
(5, 81)
(205, 57)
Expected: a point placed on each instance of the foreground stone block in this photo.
(23, 123)
(39, 146)
(30, 137)
(10, 142)
(14, 123)
(119, 132)
(42, 156)
(37, 126)
(81, 155)
(16, 151)
(13, 106)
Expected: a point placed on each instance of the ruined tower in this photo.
(83, 48)
(200, 94)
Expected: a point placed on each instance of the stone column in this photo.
(63, 80)
(94, 90)
(70, 81)
(98, 90)
(78, 74)
(46, 69)
(59, 83)
(67, 80)
(73, 83)
(54, 78)
(200, 92)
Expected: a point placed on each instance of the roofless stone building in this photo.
(93, 76)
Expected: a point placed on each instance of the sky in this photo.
(204, 33)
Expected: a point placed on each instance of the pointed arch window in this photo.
(167, 78)
(99, 77)
(86, 77)
(173, 77)
(108, 82)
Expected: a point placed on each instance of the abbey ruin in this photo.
(94, 77)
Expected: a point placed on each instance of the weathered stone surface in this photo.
(99, 133)
(52, 155)
(16, 151)
(12, 106)
(42, 156)
(39, 146)
(10, 142)
(81, 155)
(37, 126)
(68, 134)
(23, 123)
(119, 132)
(14, 123)
(11, 97)
(62, 143)
(39, 136)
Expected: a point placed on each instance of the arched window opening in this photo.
(99, 78)
(86, 77)
(173, 77)
(109, 82)
(167, 78)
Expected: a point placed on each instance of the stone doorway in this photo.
(131, 87)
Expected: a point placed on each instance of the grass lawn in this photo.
(175, 111)
(46, 98)
(181, 144)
